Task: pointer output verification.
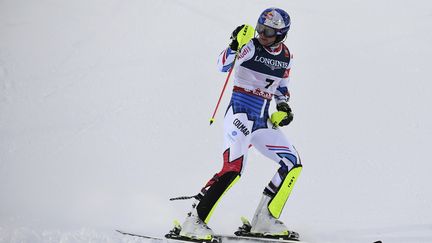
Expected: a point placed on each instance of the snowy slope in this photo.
(104, 109)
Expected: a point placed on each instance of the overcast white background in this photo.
(104, 110)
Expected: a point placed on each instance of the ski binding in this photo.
(245, 231)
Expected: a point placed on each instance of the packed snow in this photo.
(105, 107)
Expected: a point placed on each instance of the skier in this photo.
(261, 72)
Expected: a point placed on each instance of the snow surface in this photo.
(104, 110)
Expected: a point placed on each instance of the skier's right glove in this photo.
(241, 36)
(234, 43)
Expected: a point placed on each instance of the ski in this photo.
(228, 238)
(169, 237)
(186, 239)
(141, 236)
(244, 232)
(216, 239)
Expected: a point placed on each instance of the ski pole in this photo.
(243, 36)
(212, 119)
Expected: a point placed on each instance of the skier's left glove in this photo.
(283, 106)
(283, 116)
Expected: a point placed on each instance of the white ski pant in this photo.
(272, 143)
(239, 134)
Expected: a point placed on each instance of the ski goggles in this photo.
(267, 31)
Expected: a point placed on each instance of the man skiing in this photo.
(261, 72)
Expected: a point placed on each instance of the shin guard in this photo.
(278, 201)
(212, 196)
(218, 185)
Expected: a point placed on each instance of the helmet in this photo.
(274, 22)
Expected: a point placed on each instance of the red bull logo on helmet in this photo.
(269, 15)
(273, 19)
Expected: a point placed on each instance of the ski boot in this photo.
(264, 225)
(193, 229)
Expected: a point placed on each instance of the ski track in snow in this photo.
(405, 234)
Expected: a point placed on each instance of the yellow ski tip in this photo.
(244, 220)
(212, 120)
(176, 223)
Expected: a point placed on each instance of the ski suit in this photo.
(260, 74)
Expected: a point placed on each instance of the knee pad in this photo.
(277, 203)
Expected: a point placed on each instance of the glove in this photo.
(283, 116)
(241, 36)
(283, 106)
(234, 43)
